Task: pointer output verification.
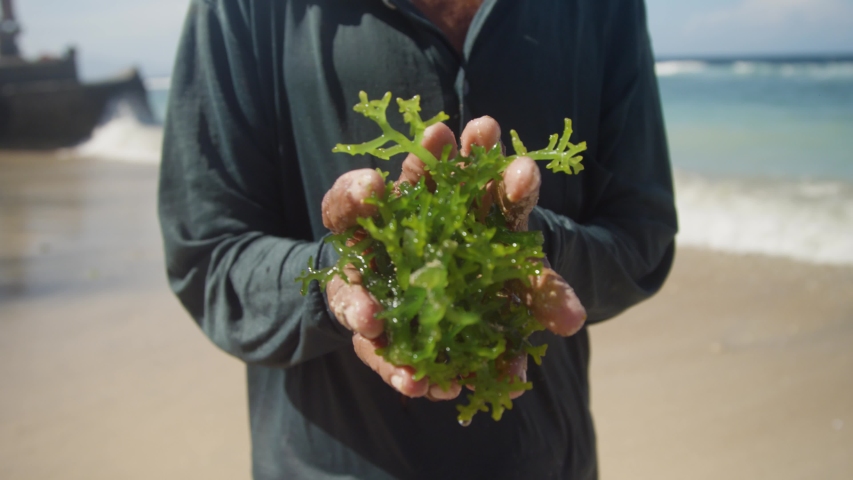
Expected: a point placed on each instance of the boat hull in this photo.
(57, 113)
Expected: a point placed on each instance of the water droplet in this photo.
(465, 423)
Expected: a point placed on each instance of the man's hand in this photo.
(550, 298)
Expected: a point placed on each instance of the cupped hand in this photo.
(549, 297)
(350, 302)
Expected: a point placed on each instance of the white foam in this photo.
(825, 70)
(679, 67)
(812, 70)
(805, 220)
(123, 137)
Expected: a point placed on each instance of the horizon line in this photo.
(776, 57)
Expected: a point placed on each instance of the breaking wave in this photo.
(123, 136)
(805, 220)
(679, 67)
(815, 70)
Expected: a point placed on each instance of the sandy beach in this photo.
(741, 368)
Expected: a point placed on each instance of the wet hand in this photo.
(550, 298)
(350, 302)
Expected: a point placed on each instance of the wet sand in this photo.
(741, 368)
(103, 374)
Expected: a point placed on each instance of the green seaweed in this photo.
(448, 278)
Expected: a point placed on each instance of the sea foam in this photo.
(805, 220)
(809, 221)
(817, 70)
(679, 67)
(123, 135)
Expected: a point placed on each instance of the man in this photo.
(261, 92)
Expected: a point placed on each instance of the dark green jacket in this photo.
(263, 89)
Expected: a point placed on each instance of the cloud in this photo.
(774, 14)
(751, 27)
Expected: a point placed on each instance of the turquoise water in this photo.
(761, 119)
(769, 119)
(763, 155)
(762, 151)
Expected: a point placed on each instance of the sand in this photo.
(742, 367)
(103, 374)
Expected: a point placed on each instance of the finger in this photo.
(554, 303)
(354, 307)
(436, 137)
(517, 369)
(344, 202)
(483, 131)
(436, 393)
(398, 377)
(518, 193)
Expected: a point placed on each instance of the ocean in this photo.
(762, 151)
(763, 155)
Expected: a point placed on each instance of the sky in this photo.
(112, 35)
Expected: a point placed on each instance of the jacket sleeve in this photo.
(230, 256)
(621, 251)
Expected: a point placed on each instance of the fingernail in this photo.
(397, 382)
(350, 314)
(361, 187)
